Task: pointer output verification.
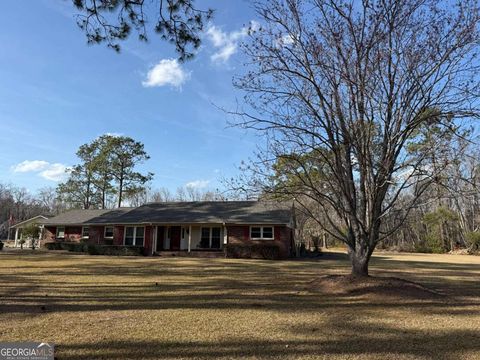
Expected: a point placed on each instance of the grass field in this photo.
(173, 308)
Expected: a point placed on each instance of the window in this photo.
(255, 232)
(210, 238)
(139, 236)
(215, 238)
(60, 232)
(134, 235)
(261, 233)
(108, 232)
(85, 232)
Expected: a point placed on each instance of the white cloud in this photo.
(285, 40)
(48, 171)
(227, 43)
(166, 72)
(197, 184)
(113, 134)
(55, 172)
(30, 165)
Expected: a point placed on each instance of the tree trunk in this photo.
(359, 264)
(360, 257)
(120, 192)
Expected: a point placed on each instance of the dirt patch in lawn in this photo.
(372, 287)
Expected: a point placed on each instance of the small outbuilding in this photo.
(17, 228)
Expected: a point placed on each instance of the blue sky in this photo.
(57, 93)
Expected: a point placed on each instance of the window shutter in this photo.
(246, 233)
(276, 232)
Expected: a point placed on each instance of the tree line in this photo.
(18, 204)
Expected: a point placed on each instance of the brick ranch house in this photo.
(178, 226)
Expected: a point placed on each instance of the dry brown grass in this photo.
(181, 308)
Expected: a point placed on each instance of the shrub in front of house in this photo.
(93, 249)
(68, 246)
(1, 246)
(116, 250)
(252, 251)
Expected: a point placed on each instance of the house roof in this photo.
(78, 217)
(200, 212)
(228, 212)
(24, 222)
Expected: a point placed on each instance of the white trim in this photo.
(26, 221)
(16, 236)
(88, 236)
(189, 237)
(154, 239)
(105, 232)
(56, 232)
(261, 232)
(134, 235)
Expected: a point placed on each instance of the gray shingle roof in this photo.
(76, 217)
(200, 212)
(229, 212)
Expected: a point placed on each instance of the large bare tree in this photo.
(340, 89)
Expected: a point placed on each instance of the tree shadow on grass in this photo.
(131, 284)
(356, 340)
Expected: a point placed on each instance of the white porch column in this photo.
(225, 235)
(189, 237)
(16, 236)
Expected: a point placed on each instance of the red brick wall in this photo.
(118, 235)
(95, 234)
(241, 235)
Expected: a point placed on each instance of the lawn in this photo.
(187, 308)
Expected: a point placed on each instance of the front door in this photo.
(175, 235)
(160, 237)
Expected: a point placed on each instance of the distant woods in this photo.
(18, 204)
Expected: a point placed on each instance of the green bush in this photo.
(252, 251)
(1, 246)
(473, 240)
(52, 246)
(92, 249)
(69, 246)
(431, 244)
(116, 250)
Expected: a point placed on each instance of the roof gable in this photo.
(31, 220)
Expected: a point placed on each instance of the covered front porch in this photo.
(188, 237)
